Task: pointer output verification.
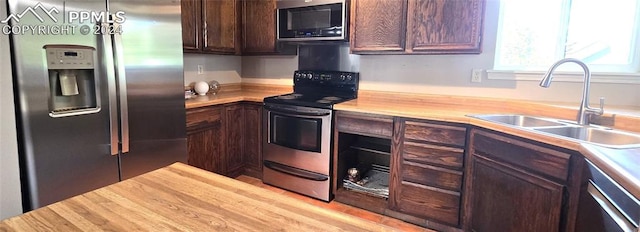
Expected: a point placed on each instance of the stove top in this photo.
(320, 89)
(310, 100)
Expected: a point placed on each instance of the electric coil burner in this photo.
(297, 131)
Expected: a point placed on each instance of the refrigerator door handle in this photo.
(122, 89)
(108, 64)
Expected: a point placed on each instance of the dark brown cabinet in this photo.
(231, 27)
(362, 140)
(253, 139)
(416, 26)
(234, 135)
(426, 171)
(259, 29)
(507, 199)
(205, 140)
(378, 26)
(211, 26)
(259, 26)
(452, 177)
(191, 25)
(519, 185)
(425, 161)
(226, 139)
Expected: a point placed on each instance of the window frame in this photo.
(611, 73)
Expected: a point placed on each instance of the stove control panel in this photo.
(325, 77)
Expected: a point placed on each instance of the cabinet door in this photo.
(253, 139)
(191, 25)
(205, 141)
(206, 149)
(234, 130)
(444, 26)
(507, 199)
(220, 26)
(259, 26)
(378, 26)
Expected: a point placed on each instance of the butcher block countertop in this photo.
(236, 93)
(184, 198)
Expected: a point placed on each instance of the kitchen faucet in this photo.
(585, 110)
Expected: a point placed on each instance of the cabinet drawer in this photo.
(432, 176)
(526, 155)
(203, 117)
(365, 124)
(435, 133)
(429, 202)
(432, 154)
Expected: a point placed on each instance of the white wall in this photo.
(224, 69)
(447, 74)
(10, 199)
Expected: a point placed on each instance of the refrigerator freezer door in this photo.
(151, 49)
(65, 156)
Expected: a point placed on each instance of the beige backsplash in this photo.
(224, 69)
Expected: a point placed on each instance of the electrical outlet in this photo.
(476, 75)
(200, 69)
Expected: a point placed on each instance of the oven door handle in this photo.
(295, 171)
(296, 113)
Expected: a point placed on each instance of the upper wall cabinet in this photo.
(191, 25)
(416, 26)
(378, 26)
(211, 26)
(259, 29)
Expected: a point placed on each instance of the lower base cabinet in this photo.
(424, 160)
(253, 139)
(516, 184)
(507, 199)
(427, 171)
(226, 139)
(234, 137)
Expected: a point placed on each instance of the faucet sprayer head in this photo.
(546, 80)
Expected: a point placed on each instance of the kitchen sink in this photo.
(570, 130)
(606, 137)
(520, 120)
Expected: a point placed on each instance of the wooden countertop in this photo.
(184, 198)
(456, 108)
(236, 93)
(228, 97)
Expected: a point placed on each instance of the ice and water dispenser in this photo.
(73, 88)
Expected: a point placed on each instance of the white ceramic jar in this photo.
(201, 88)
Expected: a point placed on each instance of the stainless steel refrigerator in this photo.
(100, 101)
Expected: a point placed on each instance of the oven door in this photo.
(299, 137)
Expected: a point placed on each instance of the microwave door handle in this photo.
(107, 65)
(294, 171)
(122, 89)
(296, 113)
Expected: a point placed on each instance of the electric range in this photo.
(297, 132)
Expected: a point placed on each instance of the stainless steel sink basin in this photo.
(595, 135)
(520, 120)
(555, 127)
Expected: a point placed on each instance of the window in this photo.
(532, 35)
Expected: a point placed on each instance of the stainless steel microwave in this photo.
(312, 20)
